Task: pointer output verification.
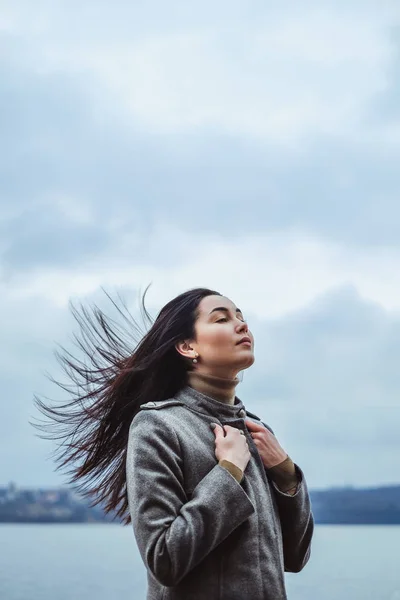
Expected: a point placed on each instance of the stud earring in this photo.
(194, 360)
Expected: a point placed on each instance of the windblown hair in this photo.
(115, 376)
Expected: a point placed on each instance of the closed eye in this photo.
(223, 319)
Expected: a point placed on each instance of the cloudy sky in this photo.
(245, 146)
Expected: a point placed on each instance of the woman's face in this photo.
(220, 327)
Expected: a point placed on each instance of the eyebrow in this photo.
(223, 308)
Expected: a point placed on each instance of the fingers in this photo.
(254, 426)
(229, 428)
(222, 431)
(218, 431)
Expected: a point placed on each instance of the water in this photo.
(101, 562)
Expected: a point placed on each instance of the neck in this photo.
(220, 388)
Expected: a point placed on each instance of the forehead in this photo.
(210, 302)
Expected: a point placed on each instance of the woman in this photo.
(219, 510)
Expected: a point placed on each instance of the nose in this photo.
(243, 326)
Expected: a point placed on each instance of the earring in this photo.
(194, 360)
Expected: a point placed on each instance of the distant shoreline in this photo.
(336, 506)
(108, 523)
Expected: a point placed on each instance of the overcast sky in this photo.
(247, 146)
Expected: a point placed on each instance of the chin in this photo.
(245, 364)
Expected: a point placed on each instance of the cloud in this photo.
(232, 79)
(260, 122)
(340, 351)
(277, 273)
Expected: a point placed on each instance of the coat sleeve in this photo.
(297, 522)
(174, 533)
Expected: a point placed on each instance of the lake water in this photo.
(101, 562)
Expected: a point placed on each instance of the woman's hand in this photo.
(270, 450)
(231, 445)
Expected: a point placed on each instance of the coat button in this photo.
(242, 413)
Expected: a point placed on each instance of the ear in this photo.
(186, 349)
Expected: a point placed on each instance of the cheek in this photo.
(218, 336)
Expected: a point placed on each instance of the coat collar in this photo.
(210, 406)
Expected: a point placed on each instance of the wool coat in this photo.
(201, 534)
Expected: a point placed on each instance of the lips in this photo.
(243, 340)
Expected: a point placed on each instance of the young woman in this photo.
(157, 433)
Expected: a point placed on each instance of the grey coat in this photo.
(201, 534)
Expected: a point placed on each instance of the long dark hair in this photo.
(116, 375)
